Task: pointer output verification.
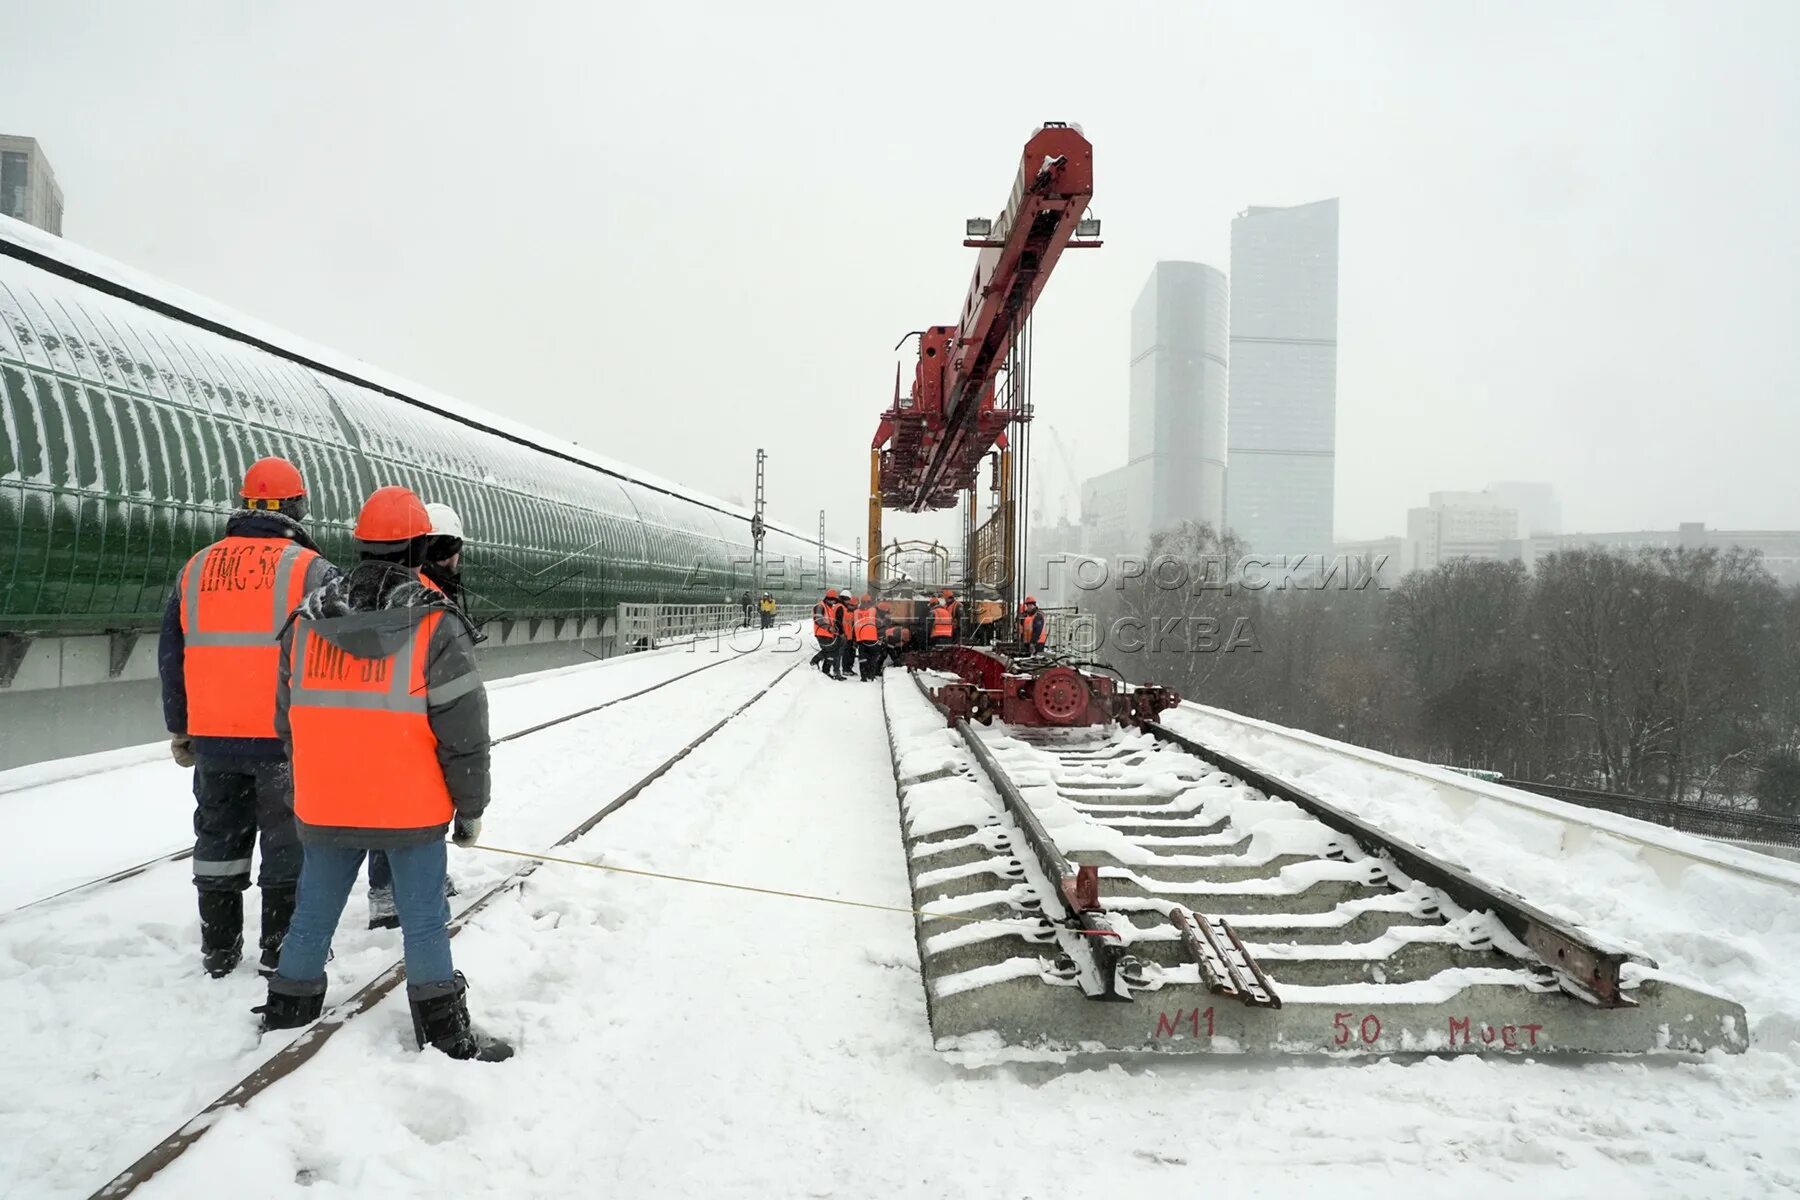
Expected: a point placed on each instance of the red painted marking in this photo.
(1508, 1036)
(1368, 1037)
(1343, 1030)
(1167, 1026)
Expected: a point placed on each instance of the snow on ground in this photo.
(678, 1041)
(135, 804)
(114, 1035)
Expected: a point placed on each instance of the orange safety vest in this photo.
(824, 620)
(1033, 629)
(363, 751)
(235, 596)
(865, 625)
(896, 635)
(431, 585)
(943, 620)
(842, 620)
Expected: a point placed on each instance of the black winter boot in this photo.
(277, 913)
(221, 932)
(441, 1018)
(291, 1005)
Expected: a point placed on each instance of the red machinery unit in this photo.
(932, 440)
(992, 686)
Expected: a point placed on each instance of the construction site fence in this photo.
(647, 626)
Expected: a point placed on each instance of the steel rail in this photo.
(302, 1050)
(1589, 967)
(1101, 939)
(187, 852)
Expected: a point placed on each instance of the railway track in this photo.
(1144, 892)
(187, 852)
(306, 1047)
(1671, 854)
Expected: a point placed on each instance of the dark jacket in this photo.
(171, 657)
(370, 613)
(449, 581)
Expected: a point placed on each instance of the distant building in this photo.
(28, 190)
(1176, 448)
(1382, 559)
(1283, 406)
(1540, 512)
(1105, 515)
(1778, 548)
(1476, 525)
(1052, 551)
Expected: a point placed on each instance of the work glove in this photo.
(181, 749)
(466, 831)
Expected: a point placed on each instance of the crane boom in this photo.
(930, 442)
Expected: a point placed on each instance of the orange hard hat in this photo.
(831, 593)
(392, 514)
(272, 479)
(884, 606)
(1031, 600)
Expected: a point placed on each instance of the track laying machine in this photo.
(970, 400)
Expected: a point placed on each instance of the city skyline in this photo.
(1177, 386)
(1281, 462)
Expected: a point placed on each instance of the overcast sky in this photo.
(674, 232)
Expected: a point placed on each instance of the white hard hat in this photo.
(444, 521)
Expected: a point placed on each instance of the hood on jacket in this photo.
(266, 523)
(370, 612)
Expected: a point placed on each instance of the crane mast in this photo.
(930, 442)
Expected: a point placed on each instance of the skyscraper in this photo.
(1176, 456)
(28, 190)
(1283, 435)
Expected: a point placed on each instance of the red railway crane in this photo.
(930, 443)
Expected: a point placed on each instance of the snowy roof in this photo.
(54, 252)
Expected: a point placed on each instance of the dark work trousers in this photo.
(846, 655)
(827, 657)
(234, 798)
(869, 655)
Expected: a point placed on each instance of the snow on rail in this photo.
(1184, 853)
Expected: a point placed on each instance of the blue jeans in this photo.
(326, 877)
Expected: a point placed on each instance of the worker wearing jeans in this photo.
(326, 877)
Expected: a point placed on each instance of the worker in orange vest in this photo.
(442, 572)
(217, 660)
(846, 624)
(826, 632)
(868, 638)
(895, 637)
(386, 723)
(1034, 630)
(943, 620)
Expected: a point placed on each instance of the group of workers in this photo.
(856, 631)
(861, 630)
(340, 715)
